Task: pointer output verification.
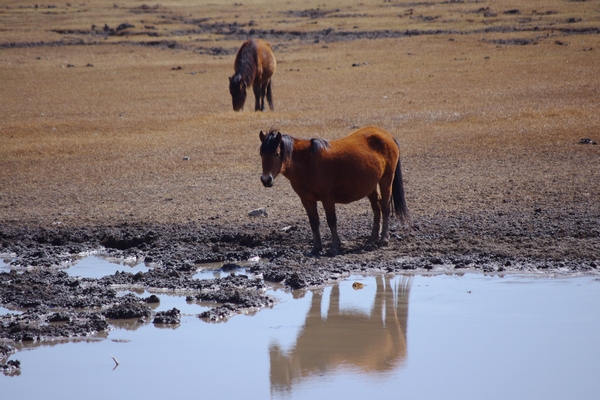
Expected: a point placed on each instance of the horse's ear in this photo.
(262, 136)
(230, 78)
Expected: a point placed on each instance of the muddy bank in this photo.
(525, 242)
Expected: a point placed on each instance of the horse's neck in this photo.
(297, 163)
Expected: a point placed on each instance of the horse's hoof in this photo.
(383, 243)
(334, 251)
(315, 253)
(370, 246)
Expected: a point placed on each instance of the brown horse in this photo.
(340, 171)
(254, 65)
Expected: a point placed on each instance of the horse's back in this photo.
(351, 167)
(261, 54)
(369, 139)
(266, 58)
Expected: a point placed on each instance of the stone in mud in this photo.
(259, 212)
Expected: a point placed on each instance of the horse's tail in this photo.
(270, 94)
(398, 198)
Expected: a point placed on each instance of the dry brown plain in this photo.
(488, 99)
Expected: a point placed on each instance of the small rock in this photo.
(259, 212)
(357, 286)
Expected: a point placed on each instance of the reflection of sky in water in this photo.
(360, 301)
(97, 267)
(467, 337)
(4, 263)
(169, 301)
(217, 270)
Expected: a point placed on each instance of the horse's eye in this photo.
(277, 154)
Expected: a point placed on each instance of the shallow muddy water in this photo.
(427, 337)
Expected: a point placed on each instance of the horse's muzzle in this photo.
(267, 180)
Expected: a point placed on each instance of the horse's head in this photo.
(272, 153)
(237, 88)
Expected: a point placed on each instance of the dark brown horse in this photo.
(254, 66)
(340, 171)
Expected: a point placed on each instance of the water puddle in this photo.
(98, 267)
(220, 269)
(5, 260)
(168, 301)
(470, 336)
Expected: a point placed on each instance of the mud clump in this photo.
(130, 306)
(38, 324)
(10, 367)
(172, 316)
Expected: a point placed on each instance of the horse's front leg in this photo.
(313, 218)
(336, 244)
(257, 96)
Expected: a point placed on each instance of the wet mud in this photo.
(57, 305)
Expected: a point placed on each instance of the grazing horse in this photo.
(254, 65)
(340, 171)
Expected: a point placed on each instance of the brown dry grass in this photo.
(483, 125)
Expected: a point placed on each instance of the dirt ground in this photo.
(117, 133)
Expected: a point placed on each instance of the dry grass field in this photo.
(101, 101)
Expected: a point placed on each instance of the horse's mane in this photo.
(269, 145)
(317, 144)
(287, 144)
(246, 62)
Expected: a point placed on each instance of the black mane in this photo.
(269, 145)
(246, 63)
(317, 144)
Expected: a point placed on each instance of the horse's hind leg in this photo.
(313, 218)
(385, 187)
(374, 199)
(270, 95)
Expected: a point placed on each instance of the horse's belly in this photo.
(347, 198)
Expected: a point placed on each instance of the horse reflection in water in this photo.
(374, 343)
